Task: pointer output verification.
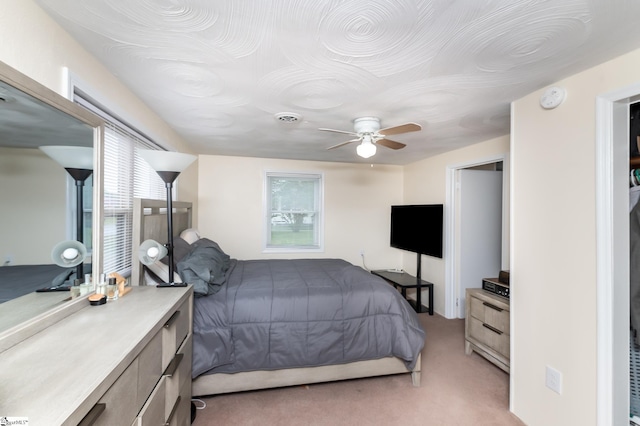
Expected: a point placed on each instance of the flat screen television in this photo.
(417, 228)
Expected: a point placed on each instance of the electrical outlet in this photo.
(361, 252)
(8, 260)
(554, 380)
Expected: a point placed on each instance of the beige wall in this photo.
(357, 200)
(553, 276)
(35, 45)
(425, 182)
(31, 185)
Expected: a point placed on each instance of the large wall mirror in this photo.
(39, 198)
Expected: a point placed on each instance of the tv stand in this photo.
(404, 281)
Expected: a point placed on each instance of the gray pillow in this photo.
(204, 267)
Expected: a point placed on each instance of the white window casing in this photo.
(293, 212)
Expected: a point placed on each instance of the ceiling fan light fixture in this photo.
(366, 149)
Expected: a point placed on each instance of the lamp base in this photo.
(164, 285)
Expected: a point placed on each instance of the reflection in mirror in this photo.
(38, 196)
(78, 162)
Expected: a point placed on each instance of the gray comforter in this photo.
(274, 314)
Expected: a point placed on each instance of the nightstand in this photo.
(487, 326)
(405, 281)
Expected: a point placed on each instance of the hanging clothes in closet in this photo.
(634, 222)
(634, 264)
(634, 271)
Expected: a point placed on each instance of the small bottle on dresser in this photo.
(112, 289)
(101, 287)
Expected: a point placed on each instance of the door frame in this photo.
(451, 289)
(612, 254)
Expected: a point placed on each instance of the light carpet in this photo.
(457, 389)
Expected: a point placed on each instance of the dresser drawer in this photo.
(178, 374)
(491, 338)
(182, 416)
(152, 414)
(130, 391)
(120, 401)
(150, 368)
(490, 314)
(175, 331)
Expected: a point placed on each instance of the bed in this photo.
(271, 323)
(19, 280)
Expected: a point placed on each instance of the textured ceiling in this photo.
(218, 71)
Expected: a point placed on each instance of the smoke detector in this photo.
(287, 117)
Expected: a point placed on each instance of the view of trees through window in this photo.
(294, 211)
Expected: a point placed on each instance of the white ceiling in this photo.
(218, 71)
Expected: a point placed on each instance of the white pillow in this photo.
(190, 235)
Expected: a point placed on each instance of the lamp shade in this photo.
(150, 251)
(70, 157)
(366, 149)
(166, 161)
(68, 253)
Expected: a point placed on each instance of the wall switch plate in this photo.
(554, 380)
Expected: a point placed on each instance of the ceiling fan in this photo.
(368, 132)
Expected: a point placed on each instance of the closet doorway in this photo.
(612, 254)
(475, 223)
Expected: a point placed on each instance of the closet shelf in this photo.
(634, 162)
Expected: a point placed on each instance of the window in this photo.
(293, 212)
(126, 176)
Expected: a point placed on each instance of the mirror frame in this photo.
(42, 320)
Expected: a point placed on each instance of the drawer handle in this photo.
(171, 320)
(173, 412)
(495, 330)
(489, 305)
(173, 365)
(93, 415)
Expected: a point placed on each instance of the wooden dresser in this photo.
(127, 362)
(487, 326)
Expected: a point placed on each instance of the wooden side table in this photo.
(487, 329)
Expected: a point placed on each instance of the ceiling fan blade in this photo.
(403, 128)
(390, 144)
(343, 143)
(338, 131)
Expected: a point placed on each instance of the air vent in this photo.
(288, 117)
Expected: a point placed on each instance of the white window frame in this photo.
(266, 213)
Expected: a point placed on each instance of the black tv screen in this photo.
(417, 228)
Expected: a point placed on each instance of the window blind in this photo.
(126, 175)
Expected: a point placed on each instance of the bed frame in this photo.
(150, 222)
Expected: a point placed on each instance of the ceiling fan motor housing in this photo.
(366, 125)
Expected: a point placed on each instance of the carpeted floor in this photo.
(456, 390)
